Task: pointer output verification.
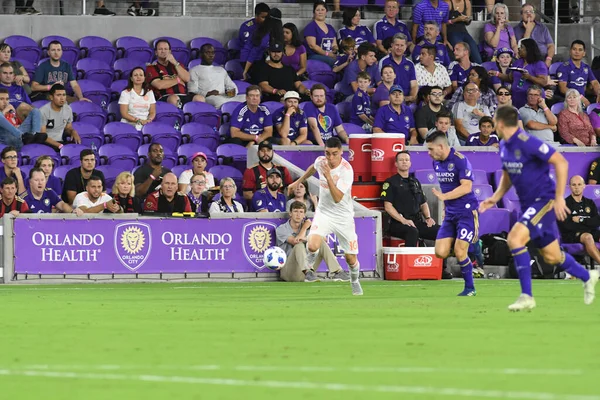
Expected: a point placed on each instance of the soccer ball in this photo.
(274, 258)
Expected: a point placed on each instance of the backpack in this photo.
(495, 249)
(540, 269)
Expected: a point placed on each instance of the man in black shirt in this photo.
(582, 225)
(149, 176)
(275, 79)
(77, 178)
(425, 116)
(594, 174)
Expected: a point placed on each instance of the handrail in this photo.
(556, 24)
(593, 45)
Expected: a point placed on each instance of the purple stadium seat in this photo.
(351, 128)
(30, 153)
(592, 107)
(134, 48)
(489, 65)
(227, 171)
(592, 192)
(193, 63)
(225, 131)
(232, 154)
(321, 72)
(61, 171)
(227, 109)
(124, 135)
(89, 134)
(179, 169)
(557, 107)
(554, 68)
(28, 65)
(95, 91)
(186, 151)
(124, 66)
(272, 106)
(24, 48)
(196, 111)
(234, 69)
(110, 175)
(95, 70)
(39, 103)
(494, 220)
(480, 177)
(179, 49)
(164, 134)
(241, 86)
(98, 48)
(114, 111)
(220, 52)
(90, 113)
(118, 156)
(70, 49)
(482, 192)
(201, 134)
(169, 114)
(70, 154)
(169, 160)
(329, 92)
(233, 49)
(354, 3)
(25, 169)
(303, 104)
(426, 176)
(116, 88)
(345, 110)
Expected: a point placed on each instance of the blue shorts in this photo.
(463, 226)
(540, 219)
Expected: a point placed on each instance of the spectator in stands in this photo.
(487, 96)
(76, 179)
(254, 50)
(538, 119)
(255, 177)
(123, 192)
(46, 164)
(365, 62)
(460, 16)
(528, 27)
(291, 237)
(396, 117)
(17, 96)
(389, 25)
(430, 73)
(381, 97)
(23, 7)
(198, 196)
(149, 177)
(251, 122)
(469, 111)
(101, 10)
(168, 78)
(303, 195)
(294, 54)
(404, 69)
(581, 226)
(431, 11)
(291, 124)
(320, 37)
(362, 114)
(199, 162)
(486, 135)
(54, 71)
(137, 103)
(13, 131)
(352, 28)
(275, 79)
(425, 116)
(11, 203)
(42, 199)
(574, 125)
(226, 204)
(498, 33)
(460, 68)
(575, 74)
(57, 118)
(22, 77)
(94, 200)
(594, 172)
(270, 198)
(504, 59)
(443, 123)
(10, 169)
(212, 81)
(167, 200)
(138, 10)
(323, 118)
(345, 56)
(247, 29)
(432, 31)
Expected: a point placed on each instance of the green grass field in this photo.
(408, 340)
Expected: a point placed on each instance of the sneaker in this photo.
(134, 12)
(146, 12)
(33, 11)
(468, 292)
(478, 272)
(21, 11)
(310, 276)
(356, 288)
(446, 274)
(524, 302)
(589, 288)
(103, 12)
(340, 276)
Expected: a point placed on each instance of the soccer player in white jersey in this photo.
(335, 211)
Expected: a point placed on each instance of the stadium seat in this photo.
(193, 63)
(351, 128)
(179, 169)
(70, 154)
(241, 86)
(220, 52)
(232, 154)
(494, 220)
(61, 171)
(39, 103)
(169, 160)
(98, 48)
(89, 113)
(321, 72)
(95, 70)
(178, 48)
(31, 152)
(225, 131)
(89, 134)
(196, 111)
(169, 114)
(25, 169)
(234, 69)
(592, 192)
(186, 151)
(227, 109)
(489, 65)
(114, 111)
(28, 65)
(118, 156)
(227, 171)
(123, 134)
(164, 134)
(345, 110)
(272, 106)
(354, 3)
(110, 176)
(554, 68)
(557, 107)
(69, 48)
(482, 192)
(134, 48)
(592, 107)
(95, 91)
(24, 48)
(233, 49)
(124, 66)
(426, 176)
(201, 134)
(480, 177)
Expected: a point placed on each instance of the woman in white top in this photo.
(226, 204)
(137, 103)
(199, 162)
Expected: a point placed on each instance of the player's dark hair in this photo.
(485, 119)
(430, 49)
(435, 136)
(402, 152)
(533, 51)
(296, 205)
(443, 114)
(54, 42)
(509, 116)
(317, 86)
(3, 91)
(35, 170)
(364, 49)
(162, 41)
(333, 143)
(295, 41)
(261, 8)
(363, 75)
(6, 65)
(252, 88)
(348, 16)
(9, 181)
(317, 4)
(152, 145)
(85, 153)
(55, 87)
(6, 150)
(94, 178)
(581, 42)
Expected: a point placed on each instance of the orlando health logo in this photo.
(133, 242)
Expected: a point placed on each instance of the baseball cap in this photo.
(199, 154)
(291, 95)
(503, 50)
(274, 171)
(396, 88)
(265, 143)
(276, 46)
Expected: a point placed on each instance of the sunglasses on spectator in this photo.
(503, 93)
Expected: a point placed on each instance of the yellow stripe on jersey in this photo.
(538, 217)
(459, 155)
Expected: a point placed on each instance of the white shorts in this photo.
(345, 231)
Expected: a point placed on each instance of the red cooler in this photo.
(384, 147)
(408, 263)
(360, 156)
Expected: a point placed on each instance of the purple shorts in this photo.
(463, 226)
(540, 219)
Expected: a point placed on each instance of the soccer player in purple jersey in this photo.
(461, 222)
(526, 164)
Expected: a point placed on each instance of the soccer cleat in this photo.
(589, 287)
(468, 292)
(524, 302)
(132, 11)
(340, 276)
(310, 276)
(356, 288)
(146, 12)
(33, 11)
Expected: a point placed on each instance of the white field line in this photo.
(302, 385)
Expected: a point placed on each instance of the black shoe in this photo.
(446, 274)
(104, 12)
(146, 12)
(134, 12)
(40, 138)
(27, 138)
(33, 11)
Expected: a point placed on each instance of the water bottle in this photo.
(94, 148)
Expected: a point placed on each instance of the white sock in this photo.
(354, 271)
(311, 258)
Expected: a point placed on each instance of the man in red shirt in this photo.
(10, 202)
(169, 78)
(255, 177)
(167, 200)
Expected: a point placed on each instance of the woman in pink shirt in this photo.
(574, 125)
